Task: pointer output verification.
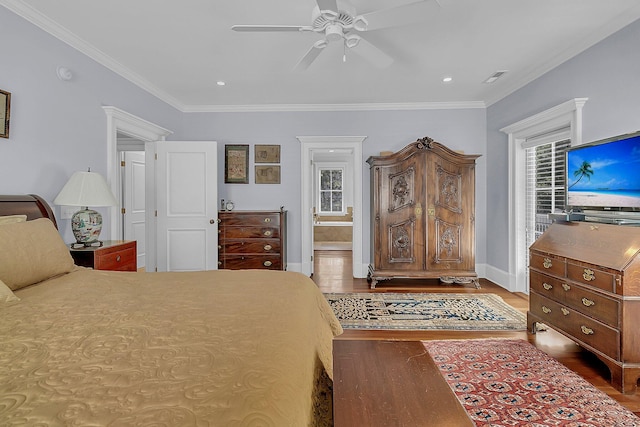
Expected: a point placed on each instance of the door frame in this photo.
(309, 144)
(567, 114)
(119, 121)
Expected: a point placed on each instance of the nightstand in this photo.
(118, 255)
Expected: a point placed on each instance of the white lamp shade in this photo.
(86, 189)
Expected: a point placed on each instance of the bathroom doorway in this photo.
(319, 149)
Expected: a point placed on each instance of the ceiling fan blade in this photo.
(407, 14)
(372, 54)
(255, 28)
(331, 5)
(311, 55)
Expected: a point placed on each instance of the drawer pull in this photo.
(547, 286)
(267, 263)
(118, 258)
(547, 263)
(267, 247)
(588, 275)
(267, 220)
(566, 287)
(586, 331)
(587, 302)
(219, 263)
(565, 311)
(219, 247)
(267, 232)
(545, 309)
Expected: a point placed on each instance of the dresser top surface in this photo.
(606, 245)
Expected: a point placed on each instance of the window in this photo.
(331, 190)
(545, 165)
(539, 129)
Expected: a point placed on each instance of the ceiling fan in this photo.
(337, 20)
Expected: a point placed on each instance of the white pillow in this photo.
(5, 294)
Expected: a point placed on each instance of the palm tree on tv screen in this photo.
(582, 171)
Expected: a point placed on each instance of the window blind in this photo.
(545, 186)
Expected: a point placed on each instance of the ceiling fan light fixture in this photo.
(333, 32)
(351, 41)
(360, 23)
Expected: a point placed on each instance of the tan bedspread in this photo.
(218, 348)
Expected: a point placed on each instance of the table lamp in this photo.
(86, 189)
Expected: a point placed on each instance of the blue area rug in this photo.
(424, 311)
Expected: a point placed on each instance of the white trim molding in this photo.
(309, 144)
(119, 121)
(565, 115)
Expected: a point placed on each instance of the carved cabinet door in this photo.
(449, 211)
(399, 208)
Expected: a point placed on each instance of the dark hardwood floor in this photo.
(333, 273)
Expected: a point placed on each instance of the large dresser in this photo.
(423, 214)
(585, 283)
(252, 239)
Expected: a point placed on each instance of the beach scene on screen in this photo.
(605, 175)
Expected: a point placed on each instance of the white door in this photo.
(186, 191)
(133, 217)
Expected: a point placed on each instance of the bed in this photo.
(81, 347)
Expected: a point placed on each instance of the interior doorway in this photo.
(125, 132)
(316, 147)
(133, 189)
(332, 200)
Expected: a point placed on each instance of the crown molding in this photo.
(44, 23)
(334, 107)
(66, 36)
(594, 37)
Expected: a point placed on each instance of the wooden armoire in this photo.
(423, 214)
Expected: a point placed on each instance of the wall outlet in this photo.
(66, 212)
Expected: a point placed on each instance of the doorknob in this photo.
(212, 221)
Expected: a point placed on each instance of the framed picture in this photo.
(5, 109)
(267, 174)
(267, 153)
(236, 164)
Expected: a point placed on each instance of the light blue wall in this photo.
(607, 73)
(460, 129)
(59, 127)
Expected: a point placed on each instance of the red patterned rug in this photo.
(504, 382)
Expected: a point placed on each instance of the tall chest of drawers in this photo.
(584, 281)
(252, 240)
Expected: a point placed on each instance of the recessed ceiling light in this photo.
(220, 83)
(447, 79)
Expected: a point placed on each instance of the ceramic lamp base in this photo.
(86, 225)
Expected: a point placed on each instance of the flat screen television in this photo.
(605, 175)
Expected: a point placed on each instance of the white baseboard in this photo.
(294, 266)
(497, 276)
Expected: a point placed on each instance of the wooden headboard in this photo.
(29, 204)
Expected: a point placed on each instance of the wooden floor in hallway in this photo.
(333, 273)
